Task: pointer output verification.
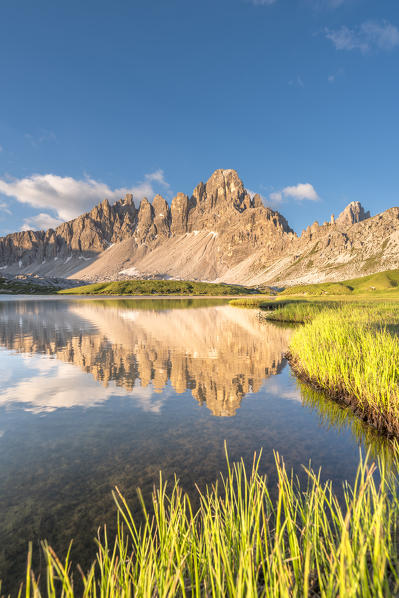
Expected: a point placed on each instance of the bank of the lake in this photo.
(241, 543)
(349, 350)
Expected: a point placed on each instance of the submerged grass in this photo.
(241, 543)
(353, 353)
(350, 350)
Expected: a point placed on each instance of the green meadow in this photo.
(374, 284)
(158, 287)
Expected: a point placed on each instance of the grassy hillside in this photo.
(158, 287)
(381, 282)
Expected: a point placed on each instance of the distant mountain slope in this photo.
(333, 252)
(219, 233)
(382, 282)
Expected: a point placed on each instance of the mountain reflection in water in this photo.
(220, 353)
(106, 392)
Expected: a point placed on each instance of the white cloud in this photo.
(158, 177)
(262, 2)
(300, 192)
(1, 148)
(40, 222)
(45, 385)
(4, 208)
(69, 197)
(276, 197)
(42, 137)
(335, 76)
(369, 35)
(297, 82)
(320, 4)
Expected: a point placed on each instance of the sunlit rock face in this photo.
(219, 353)
(152, 239)
(219, 232)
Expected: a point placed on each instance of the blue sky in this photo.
(99, 97)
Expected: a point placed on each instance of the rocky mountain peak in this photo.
(160, 205)
(127, 200)
(222, 230)
(225, 185)
(354, 212)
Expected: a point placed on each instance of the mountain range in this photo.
(220, 233)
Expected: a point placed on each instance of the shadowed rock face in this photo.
(218, 353)
(88, 234)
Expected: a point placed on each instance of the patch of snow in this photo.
(82, 257)
(56, 258)
(20, 263)
(109, 246)
(130, 271)
(196, 232)
(213, 233)
(44, 261)
(3, 267)
(68, 259)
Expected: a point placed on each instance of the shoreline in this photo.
(378, 421)
(6, 296)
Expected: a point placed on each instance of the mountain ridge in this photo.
(220, 233)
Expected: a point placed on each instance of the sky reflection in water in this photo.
(95, 393)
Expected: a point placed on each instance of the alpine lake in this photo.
(105, 392)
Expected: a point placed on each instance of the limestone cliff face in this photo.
(230, 223)
(354, 212)
(88, 234)
(219, 233)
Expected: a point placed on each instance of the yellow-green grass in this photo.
(158, 287)
(240, 543)
(348, 349)
(257, 301)
(297, 312)
(386, 282)
(352, 352)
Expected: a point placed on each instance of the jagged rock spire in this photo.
(354, 212)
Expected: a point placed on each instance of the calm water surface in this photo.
(98, 393)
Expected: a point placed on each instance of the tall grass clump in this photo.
(353, 353)
(241, 543)
(297, 312)
(249, 302)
